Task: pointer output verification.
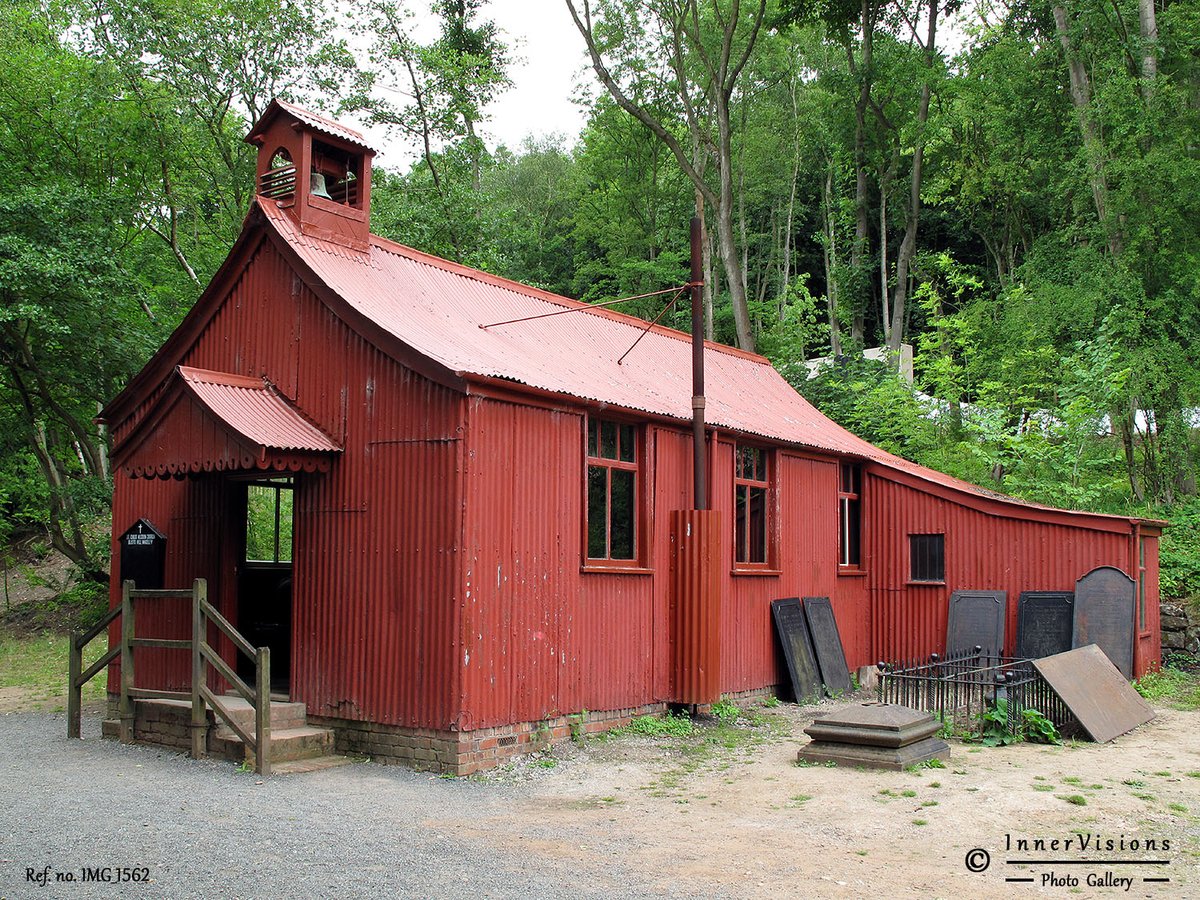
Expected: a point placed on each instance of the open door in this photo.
(264, 581)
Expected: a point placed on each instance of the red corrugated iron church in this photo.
(467, 530)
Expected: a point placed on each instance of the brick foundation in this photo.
(466, 752)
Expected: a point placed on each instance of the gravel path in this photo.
(204, 829)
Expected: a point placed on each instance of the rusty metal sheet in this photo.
(976, 619)
(695, 570)
(791, 627)
(1105, 704)
(827, 645)
(1104, 611)
(1045, 620)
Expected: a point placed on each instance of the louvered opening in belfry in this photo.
(336, 174)
(279, 181)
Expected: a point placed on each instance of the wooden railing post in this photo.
(74, 688)
(127, 632)
(199, 633)
(262, 711)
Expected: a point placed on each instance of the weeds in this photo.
(1171, 686)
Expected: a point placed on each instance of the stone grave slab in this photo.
(1099, 696)
(1104, 604)
(827, 644)
(875, 735)
(791, 627)
(976, 619)
(1045, 622)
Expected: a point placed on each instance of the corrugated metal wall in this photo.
(982, 552)
(375, 580)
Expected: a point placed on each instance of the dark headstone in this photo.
(1104, 602)
(876, 735)
(976, 619)
(1097, 694)
(1045, 620)
(827, 644)
(792, 629)
(144, 555)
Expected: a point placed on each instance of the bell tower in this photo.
(317, 170)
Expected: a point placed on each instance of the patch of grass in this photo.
(1177, 807)
(672, 724)
(1076, 799)
(861, 852)
(929, 803)
(920, 821)
(1149, 798)
(38, 663)
(1072, 779)
(1172, 687)
(548, 763)
(1133, 782)
(908, 793)
(1192, 774)
(1043, 787)
(935, 784)
(726, 711)
(771, 702)
(799, 799)
(1163, 774)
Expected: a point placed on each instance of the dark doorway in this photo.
(265, 577)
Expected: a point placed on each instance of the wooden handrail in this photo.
(203, 656)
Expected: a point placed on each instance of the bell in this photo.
(316, 186)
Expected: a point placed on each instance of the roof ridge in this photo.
(465, 271)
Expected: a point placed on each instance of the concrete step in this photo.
(287, 744)
(312, 764)
(283, 714)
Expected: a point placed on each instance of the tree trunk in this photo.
(908, 246)
(829, 256)
(1093, 146)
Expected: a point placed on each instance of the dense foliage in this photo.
(1012, 190)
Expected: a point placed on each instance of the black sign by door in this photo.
(144, 555)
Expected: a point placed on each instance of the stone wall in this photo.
(1180, 627)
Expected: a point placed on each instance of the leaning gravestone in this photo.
(1045, 620)
(1098, 696)
(792, 628)
(827, 644)
(976, 619)
(1104, 601)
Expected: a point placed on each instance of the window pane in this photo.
(260, 523)
(758, 525)
(627, 443)
(760, 464)
(285, 525)
(591, 445)
(622, 514)
(744, 464)
(739, 535)
(853, 533)
(597, 508)
(928, 557)
(843, 535)
(608, 440)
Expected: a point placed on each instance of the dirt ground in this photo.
(748, 821)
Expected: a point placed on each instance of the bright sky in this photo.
(549, 58)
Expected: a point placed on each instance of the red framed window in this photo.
(927, 558)
(612, 492)
(850, 517)
(751, 504)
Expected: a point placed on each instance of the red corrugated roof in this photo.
(310, 118)
(436, 307)
(252, 409)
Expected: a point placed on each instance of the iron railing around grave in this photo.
(958, 687)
